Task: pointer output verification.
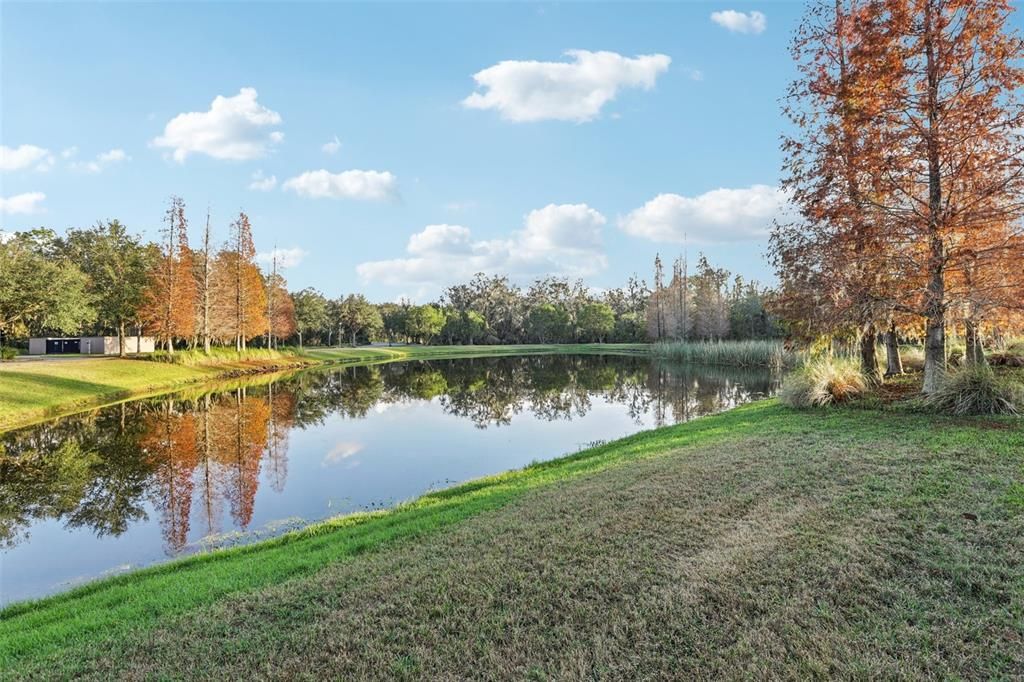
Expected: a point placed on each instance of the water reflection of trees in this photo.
(194, 456)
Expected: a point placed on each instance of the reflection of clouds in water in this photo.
(341, 451)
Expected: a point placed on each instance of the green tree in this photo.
(310, 312)
(424, 322)
(117, 264)
(547, 323)
(40, 289)
(464, 327)
(595, 321)
(360, 318)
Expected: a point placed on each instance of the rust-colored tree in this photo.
(280, 308)
(239, 298)
(951, 177)
(171, 295)
(906, 168)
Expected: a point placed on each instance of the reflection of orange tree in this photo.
(240, 437)
(282, 406)
(169, 442)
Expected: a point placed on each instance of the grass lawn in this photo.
(31, 391)
(763, 542)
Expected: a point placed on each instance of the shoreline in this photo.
(790, 458)
(178, 377)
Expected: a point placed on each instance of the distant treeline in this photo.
(104, 280)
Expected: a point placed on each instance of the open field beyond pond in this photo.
(760, 542)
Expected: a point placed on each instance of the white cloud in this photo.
(22, 203)
(739, 22)
(561, 239)
(332, 146)
(721, 215)
(101, 161)
(342, 451)
(350, 184)
(286, 258)
(564, 91)
(262, 183)
(235, 128)
(69, 152)
(23, 156)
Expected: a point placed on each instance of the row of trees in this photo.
(906, 165)
(708, 304)
(110, 281)
(486, 310)
(107, 280)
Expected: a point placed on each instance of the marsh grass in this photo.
(821, 382)
(976, 390)
(758, 353)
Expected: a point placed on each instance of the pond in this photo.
(129, 485)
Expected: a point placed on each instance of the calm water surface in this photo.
(130, 485)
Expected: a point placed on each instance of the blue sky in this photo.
(573, 163)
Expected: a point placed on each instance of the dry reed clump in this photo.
(823, 382)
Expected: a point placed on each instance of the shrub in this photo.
(826, 381)
(8, 353)
(976, 390)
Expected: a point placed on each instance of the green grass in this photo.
(769, 354)
(37, 390)
(763, 542)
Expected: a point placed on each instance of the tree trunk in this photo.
(353, 338)
(893, 361)
(974, 354)
(935, 306)
(868, 357)
(120, 339)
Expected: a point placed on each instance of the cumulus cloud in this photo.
(740, 22)
(102, 160)
(721, 215)
(235, 128)
(561, 239)
(262, 183)
(26, 203)
(564, 91)
(332, 146)
(25, 156)
(286, 258)
(350, 184)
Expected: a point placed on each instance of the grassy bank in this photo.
(763, 542)
(37, 390)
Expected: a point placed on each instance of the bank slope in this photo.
(758, 542)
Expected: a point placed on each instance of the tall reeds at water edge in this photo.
(765, 353)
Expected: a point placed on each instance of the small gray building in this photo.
(89, 345)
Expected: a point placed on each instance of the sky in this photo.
(394, 149)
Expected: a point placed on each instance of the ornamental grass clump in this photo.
(827, 381)
(976, 390)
